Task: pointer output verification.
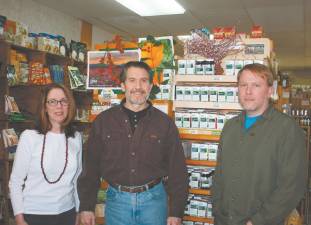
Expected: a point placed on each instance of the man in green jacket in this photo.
(261, 172)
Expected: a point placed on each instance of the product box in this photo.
(203, 151)
(238, 66)
(193, 207)
(187, 93)
(168, 75)
(230, 94)
(212, 120)
(195, 148)
(180, 90)
(220, 121)
(195, 120)
(190, 67)
(165, 91)
(186, 118)
(204, 94)
(202, 208)
(229, 67)
(212, 152)
(196, 93)
(178, 119)
(213, 94)
(209, 67)
(199, 70)
(182, 66)
(203, 120)
(221, 94)
(195, 179)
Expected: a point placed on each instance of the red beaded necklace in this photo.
(66, 162)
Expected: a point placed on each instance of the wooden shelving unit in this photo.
(199, 191)
(201, 163)
(199, 219)
(27, 99)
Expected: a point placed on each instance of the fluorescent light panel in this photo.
(153, 7)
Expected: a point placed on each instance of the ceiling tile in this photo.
(273, 18)
(270, 3)
(206, 5)
(176, 24)
(287, 39)
(134, 25)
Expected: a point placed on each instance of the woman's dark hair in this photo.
(136, 64)
(43, 123)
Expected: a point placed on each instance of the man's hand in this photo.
(77, 219)
(249, 223)
(173, 221)
(87, 218)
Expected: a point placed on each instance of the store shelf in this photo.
(199, 219)
(199, 191)
(201, 163)
(206, 78)
(206, 105)
(199, 134)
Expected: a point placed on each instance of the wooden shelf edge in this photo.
(199, 134)
(206, 105)
(201, 163)
(199, 219)
(199, 191)
(199, 137)
(206, 78)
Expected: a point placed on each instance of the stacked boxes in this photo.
(200, 151)
(206, 93)
(199, 206)
(202, 119)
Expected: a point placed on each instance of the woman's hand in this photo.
(19, 219)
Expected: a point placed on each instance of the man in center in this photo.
(134, 146)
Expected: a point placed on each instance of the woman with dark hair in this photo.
(47, 164)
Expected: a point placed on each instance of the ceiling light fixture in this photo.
(153, 7)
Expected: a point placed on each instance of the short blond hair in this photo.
(260, 70)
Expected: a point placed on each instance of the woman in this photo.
(47, 164)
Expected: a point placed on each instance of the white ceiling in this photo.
(286, 22)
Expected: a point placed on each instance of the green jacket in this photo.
(261, 173)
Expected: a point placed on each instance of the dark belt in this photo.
(137, 189)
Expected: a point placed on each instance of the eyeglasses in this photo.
(54, 102)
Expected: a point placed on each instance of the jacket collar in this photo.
(266, 115)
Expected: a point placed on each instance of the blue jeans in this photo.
(145, 208)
